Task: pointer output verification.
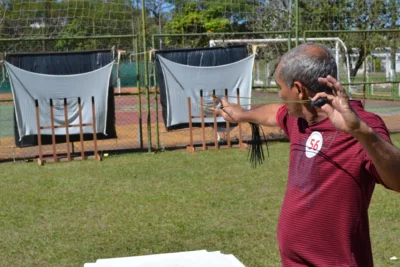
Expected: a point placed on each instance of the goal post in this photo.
(275, 47)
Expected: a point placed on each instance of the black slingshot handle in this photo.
(320, 102)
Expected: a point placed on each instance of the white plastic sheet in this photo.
(29, 86)
(183, 81)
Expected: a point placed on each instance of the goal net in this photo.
(47, 18)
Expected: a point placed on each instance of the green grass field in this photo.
(66, 214)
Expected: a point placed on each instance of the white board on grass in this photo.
(200, 258)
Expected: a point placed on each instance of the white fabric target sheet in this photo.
(28, 86)
(183, 81)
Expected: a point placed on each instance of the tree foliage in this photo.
(216, 16)
(333, 15)
(67, 18)
(84, 18)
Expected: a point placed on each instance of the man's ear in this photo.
(300, 89)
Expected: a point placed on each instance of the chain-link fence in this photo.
(363, 35)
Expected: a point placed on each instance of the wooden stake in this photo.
(40, 162)
(241, 144)
(228, 130)
(203, 130)
(53, 135)
(215, 122)
(190, 148)
(66, 128)
(81, 128)
(96, 155)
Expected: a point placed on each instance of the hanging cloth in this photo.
(28, 86)
(183, 81)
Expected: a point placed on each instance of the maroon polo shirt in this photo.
(324, 216)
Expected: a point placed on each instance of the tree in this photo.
(64, 19)
(193, 19)
(334, 15)
(214, 16)
(158, 10)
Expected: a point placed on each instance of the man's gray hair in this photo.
(301, 64)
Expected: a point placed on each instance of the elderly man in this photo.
(338, 152)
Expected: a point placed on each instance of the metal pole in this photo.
(365, 68)
(394, 43)
(220, 34)
(337, 59)
(159, 22)
(139, 94)
(67, 38)
(297, 22)
(156, 97)
(146, 78)
(350, 31)
(290, 26)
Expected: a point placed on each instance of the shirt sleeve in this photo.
(281, 118)
(379, 126)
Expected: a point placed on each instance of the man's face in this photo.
(289, 94)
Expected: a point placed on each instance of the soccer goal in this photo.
(268, 51)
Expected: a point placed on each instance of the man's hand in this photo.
(263, 115)
(338, 107)
(230, 112)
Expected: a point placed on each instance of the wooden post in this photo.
(81, 128)
(241, 144)
(53, 135)
(203, 130)
(190, 148)
(39, 136)
(228, 130)
(215, 122)
(96, 154)
(66, 124)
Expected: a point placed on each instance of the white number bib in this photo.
(313, 144)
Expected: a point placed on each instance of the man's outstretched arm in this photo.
(384, 155)
(264, 115)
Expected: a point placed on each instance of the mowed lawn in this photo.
(67, 214)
